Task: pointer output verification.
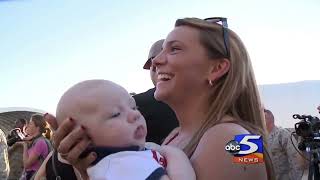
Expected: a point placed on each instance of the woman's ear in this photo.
(218, 69)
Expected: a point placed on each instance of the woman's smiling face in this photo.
(182, 66)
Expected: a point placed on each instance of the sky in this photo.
(47, 46)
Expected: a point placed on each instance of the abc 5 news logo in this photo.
(246, 149)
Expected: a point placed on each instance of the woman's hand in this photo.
(178, 164)
(25, 141)
(70, 141)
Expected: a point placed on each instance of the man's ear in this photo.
(218, 69)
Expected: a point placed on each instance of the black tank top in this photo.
(65, 171)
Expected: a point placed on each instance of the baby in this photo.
(117, 129)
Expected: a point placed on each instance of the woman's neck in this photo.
(36, 135)
(191, 113)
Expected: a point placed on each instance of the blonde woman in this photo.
(205, 75)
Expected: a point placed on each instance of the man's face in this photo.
(153, 75)
(19, 124)
(269, 120)
(156, 48)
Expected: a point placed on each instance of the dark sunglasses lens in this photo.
(224, 24)
(212, 20)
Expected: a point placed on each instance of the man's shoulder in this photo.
(277, 130)
(148, 92)
(280, 131)
(147, 104)
(144, 95)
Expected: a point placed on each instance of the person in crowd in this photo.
(318, 108)
(118, 132)
(287, 161)
(54, 166)
(50, 119)
(205, 75)
(36, 146)
(15, 151)
(19, 124)
(160, 118)
(4, 162)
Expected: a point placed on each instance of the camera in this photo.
(309, 131)
(308, 127)
(15, 136)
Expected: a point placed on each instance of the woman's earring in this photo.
(210, 83)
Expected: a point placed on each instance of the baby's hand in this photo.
(178, 164)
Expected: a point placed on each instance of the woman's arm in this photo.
(178, 164)
(211, 161)
(28, 159)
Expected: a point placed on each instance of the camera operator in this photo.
(17, 133)
(287, 162)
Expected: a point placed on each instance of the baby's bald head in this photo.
(86, 98)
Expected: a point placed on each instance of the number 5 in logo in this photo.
(253, 147)
(250, 151)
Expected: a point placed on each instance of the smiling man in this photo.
(160, 118)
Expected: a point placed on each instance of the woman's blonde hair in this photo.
(236, 93)
(39, 121)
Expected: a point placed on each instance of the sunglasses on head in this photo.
(224, 24)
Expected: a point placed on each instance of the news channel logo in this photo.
(246, 149)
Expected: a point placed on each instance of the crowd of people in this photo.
(204, 95)
(33, 137)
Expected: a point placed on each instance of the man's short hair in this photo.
(268, 112)
(22, 121)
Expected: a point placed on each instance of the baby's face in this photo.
(112, 118)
